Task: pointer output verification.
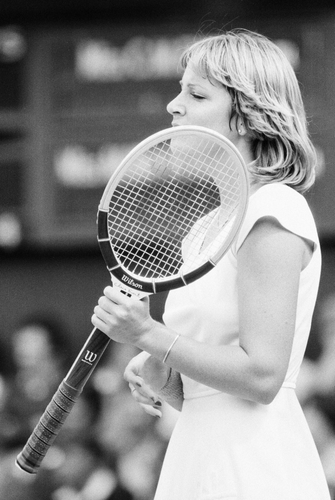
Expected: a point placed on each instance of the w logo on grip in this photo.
(89, 357)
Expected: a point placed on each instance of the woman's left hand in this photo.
(124, 319)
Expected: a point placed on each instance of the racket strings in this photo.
(161, 200)
(158, 221)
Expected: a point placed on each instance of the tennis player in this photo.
(229, 351)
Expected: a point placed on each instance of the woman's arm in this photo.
(269, 265)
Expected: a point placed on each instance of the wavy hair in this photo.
(266, 97)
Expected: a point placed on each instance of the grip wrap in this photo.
(47, 428)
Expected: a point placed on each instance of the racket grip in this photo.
(47, 428)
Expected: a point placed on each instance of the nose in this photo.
(176, 106)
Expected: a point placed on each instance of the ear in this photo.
(241, 129)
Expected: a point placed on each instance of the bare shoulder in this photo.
(270, 242)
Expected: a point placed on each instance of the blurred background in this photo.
(81, 82)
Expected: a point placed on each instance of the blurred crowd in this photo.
(109, 448)
(316, 386)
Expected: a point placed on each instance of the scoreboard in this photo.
(73, 101)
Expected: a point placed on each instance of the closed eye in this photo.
(190, 88)
(197, 96)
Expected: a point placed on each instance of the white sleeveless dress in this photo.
(224, 447)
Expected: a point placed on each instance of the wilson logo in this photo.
(131, 282)
(89, 357)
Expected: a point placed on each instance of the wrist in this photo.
(157, 340)
(148, 335)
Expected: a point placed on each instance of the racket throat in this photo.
(127, 286)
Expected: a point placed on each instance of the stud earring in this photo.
(241, 129)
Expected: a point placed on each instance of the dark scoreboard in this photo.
(73, 101)
(94, 95)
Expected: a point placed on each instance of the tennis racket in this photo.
(167, 216)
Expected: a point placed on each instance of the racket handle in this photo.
(62, 403)
(47, 428)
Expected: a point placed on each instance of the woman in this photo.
(234, 340)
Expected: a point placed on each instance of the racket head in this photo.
(172, 209)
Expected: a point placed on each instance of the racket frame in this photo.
(141, 286)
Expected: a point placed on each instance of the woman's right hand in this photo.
(146, 375)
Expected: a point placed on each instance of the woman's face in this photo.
(201, 102)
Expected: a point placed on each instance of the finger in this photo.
(115, 296)
(132, 370)
(148, 398)
(106, 304)
(98, 323)
(151, 410)
(131, 375)
(146, 392)
(101, 313)
(108, 291)
(142, 397)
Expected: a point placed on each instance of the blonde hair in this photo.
(266, 97)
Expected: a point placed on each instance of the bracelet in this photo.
(169, 349)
